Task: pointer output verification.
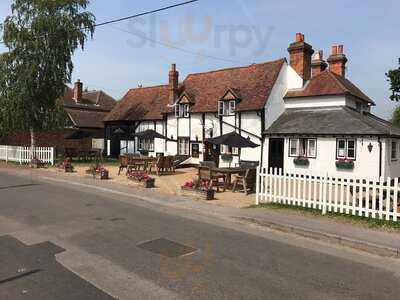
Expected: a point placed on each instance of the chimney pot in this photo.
(321, 54)
(299, 37)
(334, 50)
(318, 65)
(340, 49)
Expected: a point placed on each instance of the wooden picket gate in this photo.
(364, 197)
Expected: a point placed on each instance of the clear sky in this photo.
(212, 34)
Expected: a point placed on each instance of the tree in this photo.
(394, 79)
(41, 37)
(396, 116)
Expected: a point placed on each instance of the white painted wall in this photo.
(275, 106)
(251, 122)
(366, 164)
(392, 166)
(320, 101)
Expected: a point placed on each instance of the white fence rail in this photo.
(23, 155)
(363, 197)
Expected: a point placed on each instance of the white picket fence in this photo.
(23, 155)
(364, 197)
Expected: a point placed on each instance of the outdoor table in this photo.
(228, 172)
(138, 163)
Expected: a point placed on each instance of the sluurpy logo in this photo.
(199, 35)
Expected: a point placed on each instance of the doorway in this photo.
(276, 153)
(212, 153)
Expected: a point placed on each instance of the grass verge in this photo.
(364, 221)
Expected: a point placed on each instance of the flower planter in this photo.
(345, 165)
(68, 169)
(104, 175)
(199, 193)
(226, 157)
(149, 183)
(300, 161)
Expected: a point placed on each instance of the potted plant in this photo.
(148, 182)
(66, 166)
(345, 164)
(194, 187)
(301, 161)
(36, 163)
(104, 174)
(141, 176)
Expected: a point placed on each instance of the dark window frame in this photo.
(346, 149)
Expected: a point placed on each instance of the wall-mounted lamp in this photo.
(197, 138)
(172, 137)
(370, 147)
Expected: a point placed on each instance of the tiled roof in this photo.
(253, 83)
(93, 100)
(86, 118)
(328, 83)
(331, 121)
(141, 104)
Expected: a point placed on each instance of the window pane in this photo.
(312, 148)
(394, 150)
(232, 106)
(341, 151)
(293, 147)
(351, 153)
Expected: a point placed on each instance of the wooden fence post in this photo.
(258, 186)
(324, 195)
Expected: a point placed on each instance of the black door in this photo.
(212, 153)
(276, 153)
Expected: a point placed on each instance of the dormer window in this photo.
(226, 108)
(182, 110)
(227, 104)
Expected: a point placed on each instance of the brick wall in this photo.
(48, 139)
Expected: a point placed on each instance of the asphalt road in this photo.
(110, 244)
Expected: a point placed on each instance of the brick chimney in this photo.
(78, 87)
(173, 84)
(300, 57)
(318, 64)
(337, 61)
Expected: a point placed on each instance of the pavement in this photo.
(133, 244)
(29, 273)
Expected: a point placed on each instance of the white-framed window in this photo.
(183, 146)
(346, 149)
(303, 147)
(229, 150)
(394, 150)
(227, 108)
(146, 145)
(182, 110)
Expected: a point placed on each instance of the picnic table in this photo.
(228, 172)
(86, 155)
(140, 163)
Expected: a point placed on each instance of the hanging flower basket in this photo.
(345, 164)
(227, 157)
(301, 161)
